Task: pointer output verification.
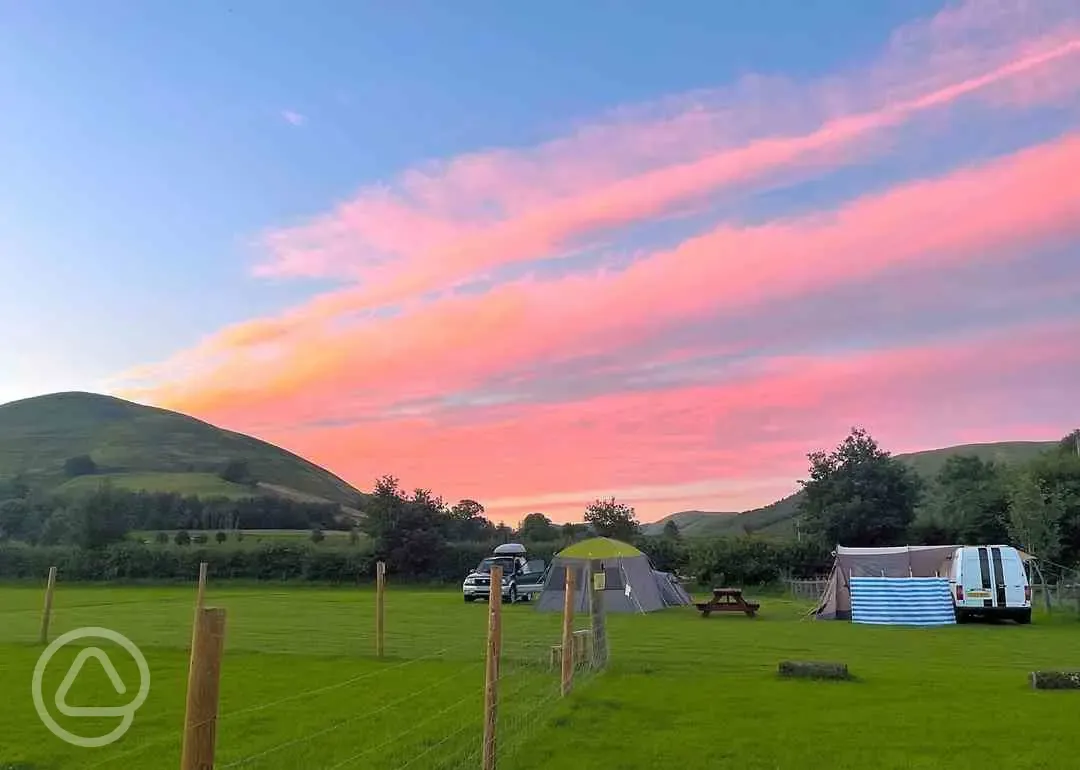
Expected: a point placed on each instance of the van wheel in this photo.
(962, 617)
(1023, 617)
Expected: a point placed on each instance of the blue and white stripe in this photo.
(915, 601)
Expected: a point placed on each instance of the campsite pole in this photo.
(568, 633)
(599, 620)
(46, 614)
(380, 607)
(491, 670)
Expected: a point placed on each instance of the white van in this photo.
(990, 581)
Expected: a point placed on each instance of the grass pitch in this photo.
(301, 688)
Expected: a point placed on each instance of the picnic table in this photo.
(727, 600)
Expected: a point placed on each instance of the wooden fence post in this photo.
(204, 681)
(380, 607)
(599, 620)
(200, 590)
(491, 670)
(46, 615)
(568, 633)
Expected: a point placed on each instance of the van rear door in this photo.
(1012, 579)
(977, 578)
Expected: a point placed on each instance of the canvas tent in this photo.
(630, 582)
(904, 561)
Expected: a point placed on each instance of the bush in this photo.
(182, 538)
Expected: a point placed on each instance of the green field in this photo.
(198, 484)
(301, 689)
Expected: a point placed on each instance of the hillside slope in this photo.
(777, 519)
(143, 447)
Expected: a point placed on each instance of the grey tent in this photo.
(630, 583)
(896, 562)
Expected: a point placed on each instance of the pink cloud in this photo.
(759, 427)
(992, 211)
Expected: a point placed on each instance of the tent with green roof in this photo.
(630, 582)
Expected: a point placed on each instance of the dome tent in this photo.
(630, 582)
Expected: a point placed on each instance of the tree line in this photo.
(108, 514)
(859, 495)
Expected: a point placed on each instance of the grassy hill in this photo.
(143, 447)
(777, 519)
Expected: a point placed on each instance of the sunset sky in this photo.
(535, 254)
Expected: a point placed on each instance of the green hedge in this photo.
(738, 561)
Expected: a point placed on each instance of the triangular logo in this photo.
(73, 673)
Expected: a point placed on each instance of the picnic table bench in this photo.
(727, 600)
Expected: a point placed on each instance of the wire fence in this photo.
(302, 685)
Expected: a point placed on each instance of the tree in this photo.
(467, 522)
(82, 465)
(969, 498)
(610, 518)
(858, 495)
(60, 528)
(237, 471)
(220, 537)
(317, 535)
(1058, 475)
(409, 533)
(14, 516)
(101, 517)
(1071, 443)
(671, 530)
(536, 527)
(1034, 518)
(182, 537)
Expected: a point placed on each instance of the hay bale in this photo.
(813, 670)
(1055, 680)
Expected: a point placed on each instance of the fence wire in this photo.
(420, 705)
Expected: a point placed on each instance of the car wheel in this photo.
(470, 599)
(513, 597)
(1023, 617)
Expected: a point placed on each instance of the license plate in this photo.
(979, 594)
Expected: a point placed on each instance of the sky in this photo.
(535, 255)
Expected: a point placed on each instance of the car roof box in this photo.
(510, 549)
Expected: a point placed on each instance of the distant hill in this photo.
(777, 519)
(143, 447)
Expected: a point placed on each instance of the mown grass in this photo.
(300, 687)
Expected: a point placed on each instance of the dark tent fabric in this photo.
(630, 583)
